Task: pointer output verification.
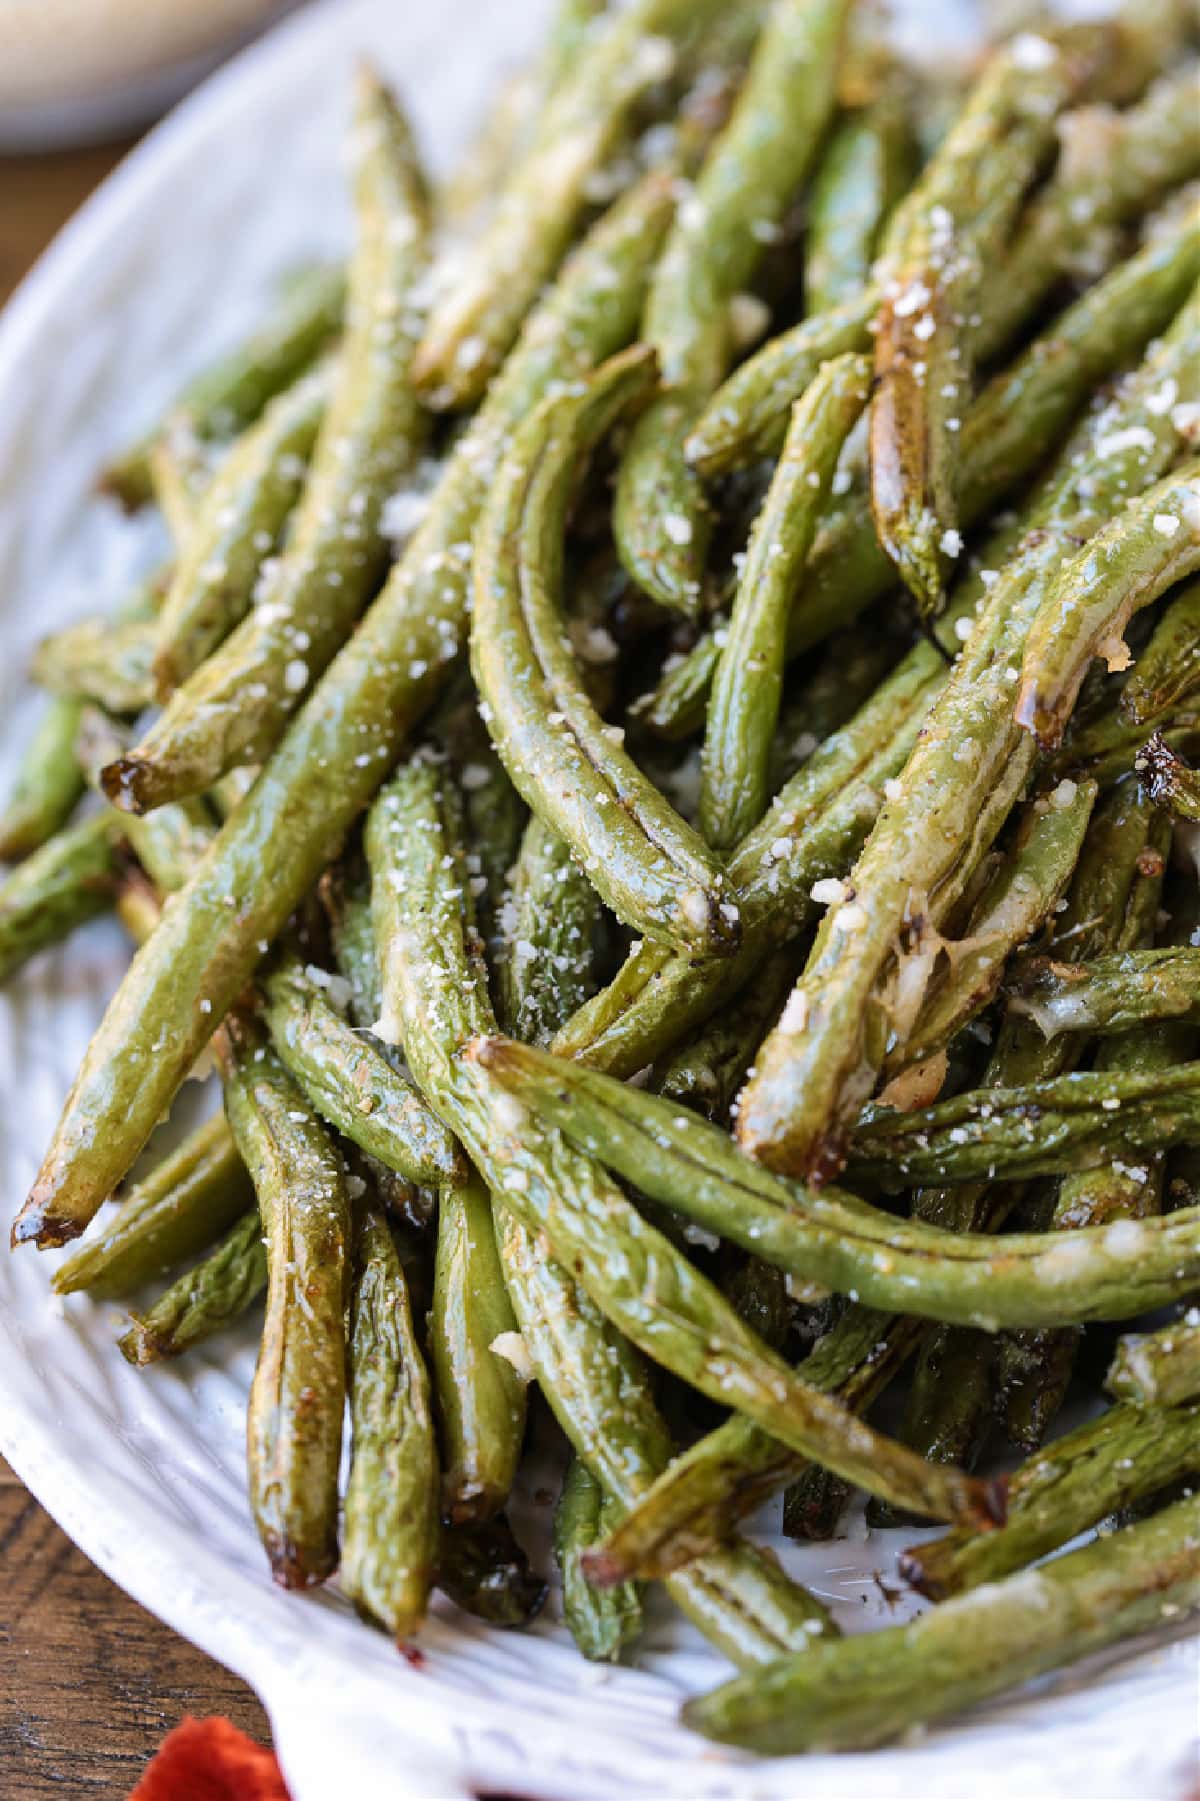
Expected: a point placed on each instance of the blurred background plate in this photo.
(77, 71)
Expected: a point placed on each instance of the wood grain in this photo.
(89, 1682)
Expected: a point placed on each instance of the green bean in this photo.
(484, 1571)
(598, 1388)
(867, 165)
(1158, 1369)
(346, 896)
(345, 1075)
(551, 919)
(47, 785)
(1035, 399)
(948, 1409)
(1105, 895)
(234, 707)
(1112, 167)
(1073, 1122)
(494, 815)
(590, 1374)
(707, 1071)
(1167, 672)
(972, 760)
(390, 1533)
(71, 879)
(645, 862)
(537, 210)
(1005, 435)
(169, 842)
(835, 1240)
(851, 667)
(180, 470)
(230, 395)
(865, 1690)
(748, 415)
(1015, 901)
(1033, 1370)
(1110, 994)
(722, 1371)
(1145, 550)
(1122, 1189)
(758, 1294)
(552, 1189)
(205, 1300)
(480, 1391)
(349, 1080)
(702, 1495)
(101, 660)
(1099, 1469)
(236, 525)
(661, 520)
(808, 835)
(139, 905)
(748, 683)
(469, 192)
(185, 1202)
(294, 1423)
(601, 1621)
(941, 239)
(334, 757)
(1108, 750)
(1171, 782)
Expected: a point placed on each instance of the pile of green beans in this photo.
(684, 873)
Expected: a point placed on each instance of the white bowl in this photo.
(144, 1469)
(78, 71)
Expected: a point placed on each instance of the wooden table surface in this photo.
(89, 1682)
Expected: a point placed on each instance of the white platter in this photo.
(170, 260)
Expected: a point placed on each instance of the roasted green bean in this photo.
(1158, 1369)
(230, 395)
(472, 1331)
(865, 1690)
(841, 1243)
(234, 707)
(390, 1532)
(294, 1423)
(235, 528)
(72, 878)
(661, 519)
(205, 1300)
(602, 1621)
(971, 763)
(550, 919)
(184, 1203)
(47, 785)
(865, 169)
(336, 755)
(748, 683)
(646, 863)
(1074, 1483)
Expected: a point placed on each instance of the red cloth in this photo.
(210, 1760)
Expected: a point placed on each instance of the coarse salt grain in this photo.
(829, 891)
